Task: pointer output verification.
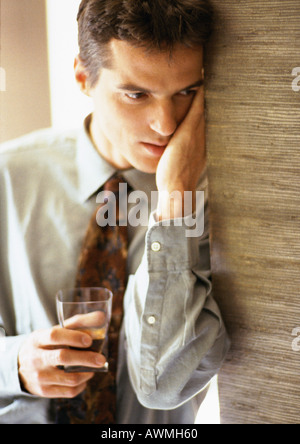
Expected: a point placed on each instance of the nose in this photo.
(163, 119)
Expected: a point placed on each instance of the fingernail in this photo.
(86, 341)
(99, 360)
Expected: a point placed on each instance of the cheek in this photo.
(131, 116)
(119, 121)
(111, 119)
(128, 121)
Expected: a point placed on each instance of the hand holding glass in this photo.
(87, 310)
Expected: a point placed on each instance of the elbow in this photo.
(168, 391)
(154, 392)
(163, 399)
(158, 400)
(182, 379)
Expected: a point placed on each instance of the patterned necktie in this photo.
(102, 263)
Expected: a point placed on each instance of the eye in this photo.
(135, 96)
(187, 92)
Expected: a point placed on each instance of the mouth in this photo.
(155, 150)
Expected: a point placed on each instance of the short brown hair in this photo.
(153, 24)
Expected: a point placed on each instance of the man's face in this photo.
(140, 102)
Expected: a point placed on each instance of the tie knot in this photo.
(114, 195)
(113, 183)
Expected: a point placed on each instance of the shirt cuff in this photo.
(9, 371)
(170, 246)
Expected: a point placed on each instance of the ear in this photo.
(81, 76)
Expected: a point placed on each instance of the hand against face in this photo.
(183, 161)
(42, 354)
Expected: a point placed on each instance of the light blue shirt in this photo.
(173, 340)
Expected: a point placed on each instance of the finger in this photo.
(195, 117)
(57, 391)
(66, 357)
(58, 336)
(57, 377)
(197, 108)
(88, 320)
(193, 124)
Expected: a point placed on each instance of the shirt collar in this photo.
(94, 170)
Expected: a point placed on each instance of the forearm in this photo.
(176, 338)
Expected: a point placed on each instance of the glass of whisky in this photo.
(87, 310)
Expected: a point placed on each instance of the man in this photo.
(142, 64)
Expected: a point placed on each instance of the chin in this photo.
(145, 166)
(142, 161)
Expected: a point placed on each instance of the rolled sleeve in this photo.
(176, 338)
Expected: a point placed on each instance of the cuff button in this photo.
(156, 247)
(151, 320)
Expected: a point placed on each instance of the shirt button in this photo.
(155, 247)
(151, 320)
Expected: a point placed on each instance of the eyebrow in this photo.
(135, 88)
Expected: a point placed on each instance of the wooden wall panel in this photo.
(254, 172)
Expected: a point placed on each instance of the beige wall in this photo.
(254, 168)
(24, 105)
